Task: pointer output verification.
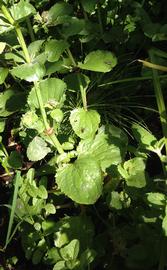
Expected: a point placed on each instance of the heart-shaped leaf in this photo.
(81, 181)
(84, 123)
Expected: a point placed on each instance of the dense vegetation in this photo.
(83, 134)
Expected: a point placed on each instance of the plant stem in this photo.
(18, 32)
(100, 20)
(44, 117)
(82, 89)
(159, 99)
(30, 29)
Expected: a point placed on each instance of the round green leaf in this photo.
(84, 123)
(57, 115)
(37, 149)
(100, 61)
(81, 181)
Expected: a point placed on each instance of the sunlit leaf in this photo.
(37, 149)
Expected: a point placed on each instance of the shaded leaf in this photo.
(59, 10)
(3, 74)
(54, 49)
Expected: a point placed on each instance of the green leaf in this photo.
(60, 266)
(84, 123)
(115, 201)
(54, 49)
(50, 208)
(42, 192)
(164, 225)
(29, 72)
(133, 171)
(52, 92)
(57, 115)
(100, 61)
(89, 5)
(22, 10)
(73, 27)
(34, 48)
(156, 198)
(15, 160)
(59, 10)
(5, 26)
(11, 101)
(74, 83)
(3, 74)
(108, 147)
(37, 149)
(2, 46)
(70, 251)
(2, 125)
(143, 136)
(52, 256)
(81, 181)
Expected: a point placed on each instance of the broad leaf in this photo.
(3, 74)
(156, 198)
(54, 49)
(22, 10)
(37, 149)
(84, 123)
(81, 181)
(52, 92)
(100, 61)
(59, 10)
(73, 27)
(143, 136)
(15, 160)
(2, 46)
(133, 171)
(107, 147)
(29, 72)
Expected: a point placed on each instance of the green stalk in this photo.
(37, 89)
(82, 89)
(159, 99)
(18, 32)
(44, 117)
(30, 29)
(17, 180)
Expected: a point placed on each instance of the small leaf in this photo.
(60, 266)
(100, 61)
(70, 251)
(3, 74)
(57, 115)
(156, 198)
(34, 48)
(73, 27)
(54, 49)
(22, 10)
(133, 171)
(50, 208)
(89, 5)
(84, 123)
(29, 72)
(81, 181)
(42, 192)
(37, 149)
